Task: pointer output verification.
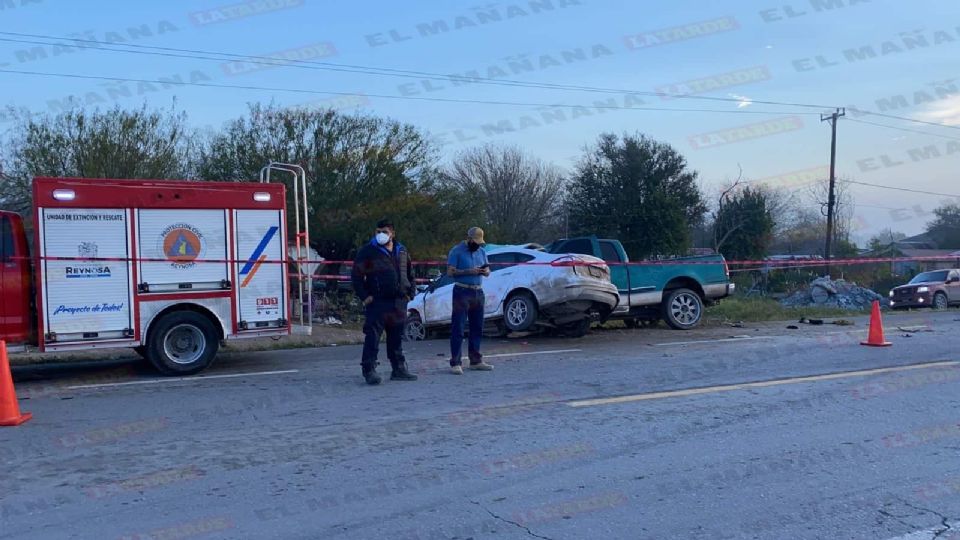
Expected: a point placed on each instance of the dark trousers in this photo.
(467, 305)
(380, 315)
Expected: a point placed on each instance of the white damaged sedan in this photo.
(526, 289)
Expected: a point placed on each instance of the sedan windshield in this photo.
(927, 277)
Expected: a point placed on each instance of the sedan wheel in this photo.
(940, 301)
(414, 330)
(520, 313)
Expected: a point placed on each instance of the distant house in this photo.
(921, 247)
(920, 241)
(944, 258)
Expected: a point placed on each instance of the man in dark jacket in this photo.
(383, 280)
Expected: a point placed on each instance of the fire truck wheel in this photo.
(182, 343)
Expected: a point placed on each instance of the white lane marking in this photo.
(928, 534)
(759, 384)
(744, 338)
(183, 379)
(502, 355)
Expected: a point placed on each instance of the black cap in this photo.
(385, 223)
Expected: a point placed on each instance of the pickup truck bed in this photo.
(675, 290)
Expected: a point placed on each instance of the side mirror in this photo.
(953, 279)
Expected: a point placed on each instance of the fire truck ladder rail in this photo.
(302, 240)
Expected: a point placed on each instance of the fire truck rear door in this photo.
(261, 272)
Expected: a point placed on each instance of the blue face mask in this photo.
(382, 238)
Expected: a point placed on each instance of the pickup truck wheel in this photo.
(520, 313)
(682, 309)
(182, 343)
(940, 301)
(414, 330)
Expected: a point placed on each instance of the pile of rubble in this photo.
(826, 292)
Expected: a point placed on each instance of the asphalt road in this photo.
(756, 432)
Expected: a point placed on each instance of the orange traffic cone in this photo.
(9, 408)
(875, 339)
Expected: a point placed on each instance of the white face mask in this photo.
(382, 238)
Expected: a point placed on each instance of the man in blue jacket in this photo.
(383, 280)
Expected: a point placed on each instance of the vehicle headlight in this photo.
(891, 293)
(923, 289)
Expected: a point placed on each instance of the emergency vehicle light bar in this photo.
(64, 194)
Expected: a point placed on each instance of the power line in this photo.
(388, 96)
(392, 72)
(903, 189)
(372, 70)
(302, 64)
(908, 130)
(908, 119)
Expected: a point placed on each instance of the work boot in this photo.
(400, 373)
(370, 375)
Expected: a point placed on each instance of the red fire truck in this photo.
(170, 268)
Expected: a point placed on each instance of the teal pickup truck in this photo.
(675, 290)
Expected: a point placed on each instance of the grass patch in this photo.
(766, 309)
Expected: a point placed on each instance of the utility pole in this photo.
(831, 198)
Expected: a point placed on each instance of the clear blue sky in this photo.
(772, 46)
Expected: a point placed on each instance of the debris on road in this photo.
(815, 322)
(793, 327)
(842, 322)
(825, 292)
(915, 329)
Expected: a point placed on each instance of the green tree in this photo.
(945, 227)
(521, 196)
(638, 190)
(744, 224)
(114, 143)
(359, 170)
